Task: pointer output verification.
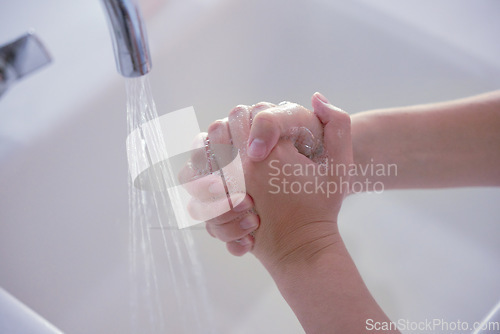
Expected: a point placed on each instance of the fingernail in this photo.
(322, 98)
(257, 149)
(243, 206)
(248, 223)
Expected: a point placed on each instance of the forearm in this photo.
(327, 293)
(451, 144)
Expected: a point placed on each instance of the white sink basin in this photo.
(63, 190)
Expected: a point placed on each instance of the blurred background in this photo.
(63, 168)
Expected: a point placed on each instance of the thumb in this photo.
(337, 129)
(264, 134)
(270, 125)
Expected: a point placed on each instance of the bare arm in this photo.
(450, 144)
(327, 293)
(298, 239)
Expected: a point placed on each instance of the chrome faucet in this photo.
(129, 38)
(19, 58)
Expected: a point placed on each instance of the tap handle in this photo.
(20, 58)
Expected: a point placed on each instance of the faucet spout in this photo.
(129, 38)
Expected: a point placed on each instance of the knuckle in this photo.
(216, 126)
(219, 220)
(198, 161)
(262, 106)
(199, 140)
(239, 109)
(293, 105)
(223, 234)
(258, 108)
(266, 117)
(344, 118)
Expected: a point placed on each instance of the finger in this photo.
(207, 210)
(201, 176)
(226, 165)
(197, 164)
(196, 174)
(256, 108)
(209, 228)
(240, 247)
(235, 229)
(238, 211)
(205, 188)
(199, 159)
(219, 210)
(271, 124)
(239, 126)
(220, 143)
(337, 128)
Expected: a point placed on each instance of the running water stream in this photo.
(168, 294)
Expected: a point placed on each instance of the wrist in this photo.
(298, 248)
(360, 141)
(326, 292)
(375, 160)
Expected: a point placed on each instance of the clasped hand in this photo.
(279, 145)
